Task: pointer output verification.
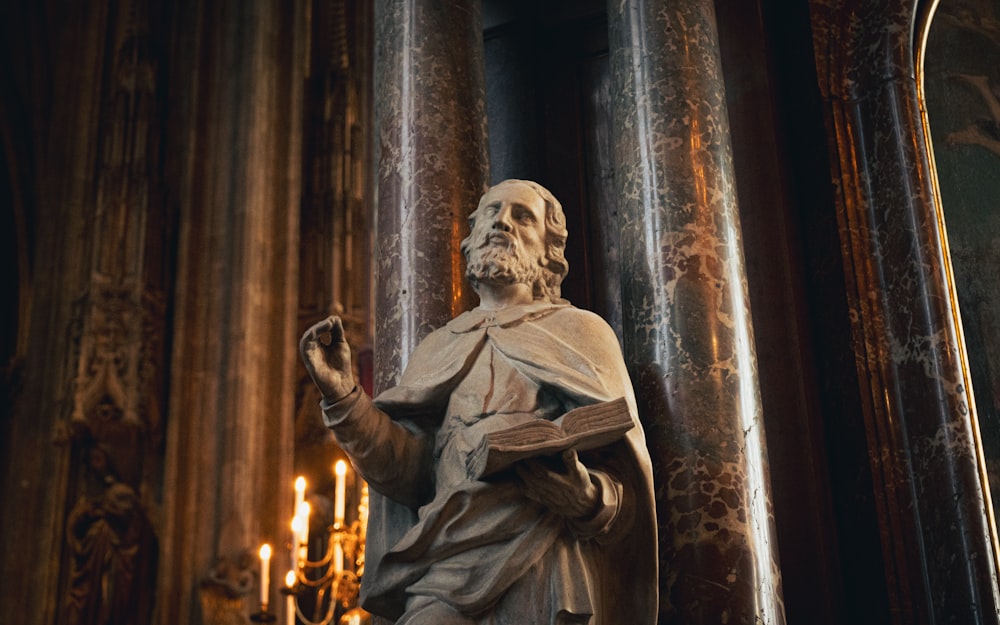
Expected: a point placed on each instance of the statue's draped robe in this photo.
(483, 547)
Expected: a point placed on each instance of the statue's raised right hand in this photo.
(328, 361)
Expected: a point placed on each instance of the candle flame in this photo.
(300, 484)
(290, 579)
(265, 552)
(340, 468)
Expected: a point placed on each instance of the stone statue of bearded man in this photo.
(553, 540)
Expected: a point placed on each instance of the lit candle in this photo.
(300, 493)
(265, 575)
(338, 507)
(296, 530)
(290, 599)
(363, 513)
(304, 511)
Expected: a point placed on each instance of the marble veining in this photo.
(922, 442)
(433, 166)
(686, 316)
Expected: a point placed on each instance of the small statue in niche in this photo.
(558, 539)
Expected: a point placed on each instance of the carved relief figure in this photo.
(111, 544)
(569, 538)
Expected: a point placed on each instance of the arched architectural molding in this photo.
(936, 529)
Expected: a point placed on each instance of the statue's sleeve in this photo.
(394, 460)
(589, 371)
(609, 505)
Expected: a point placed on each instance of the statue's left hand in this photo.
(568, 492)
(328, 363)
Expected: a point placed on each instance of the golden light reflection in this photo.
(697, 168)
(923, 31)
(458, 291)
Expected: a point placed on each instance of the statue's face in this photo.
(512, 217)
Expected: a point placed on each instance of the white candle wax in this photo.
(296, 539)
(338, 507)
(305, 509)
(290, 599)
(265, 575)
(300, 493)
(363, 513)
(303, 539)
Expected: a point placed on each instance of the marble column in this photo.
(235, 160)
(686, 317)
(432, 167)
(937, 529)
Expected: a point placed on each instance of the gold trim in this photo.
(921, 32)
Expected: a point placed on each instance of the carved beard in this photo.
(501, 265)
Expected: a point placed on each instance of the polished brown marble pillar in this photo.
(687, 329)
(938, 537)
(235, 159)
(432, 167)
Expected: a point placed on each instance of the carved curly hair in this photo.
(555, 267)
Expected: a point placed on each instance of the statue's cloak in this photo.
(575, 355)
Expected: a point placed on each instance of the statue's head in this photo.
(518, 235)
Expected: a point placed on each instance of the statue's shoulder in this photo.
(439, 337)
(453, 335)
(576, 319)
(559, 318)
(577, 315)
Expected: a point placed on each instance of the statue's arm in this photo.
(394, 460)
(594, 492)
(589, 499)
(608, 509)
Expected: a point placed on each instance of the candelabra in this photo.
(325, 591)
(332, 586)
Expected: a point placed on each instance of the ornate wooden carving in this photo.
(225, 589)
(335, 265)
(115, 430)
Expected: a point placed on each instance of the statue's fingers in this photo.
(311, 352)
(573, 464)
(529, 468)
(529, 478)
(307, 342)
(318, 329)
(336, 329)
(542, 481)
